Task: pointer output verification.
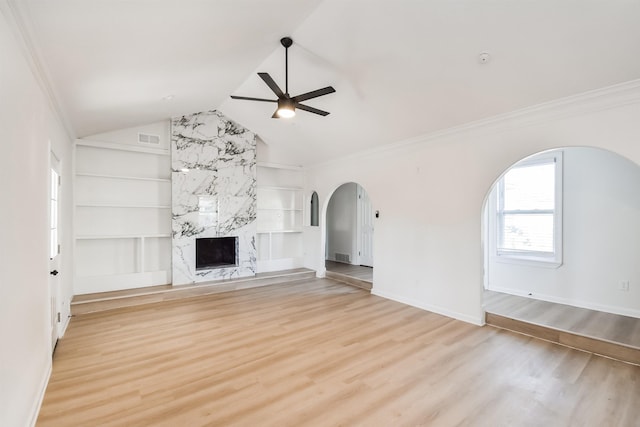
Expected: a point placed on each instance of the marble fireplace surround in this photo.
(213, 186)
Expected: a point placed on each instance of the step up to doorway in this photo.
(606, 334)
(91, 303)
(349, 280)
(594, 345)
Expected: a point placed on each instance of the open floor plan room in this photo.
(319, 212)
(317, 352)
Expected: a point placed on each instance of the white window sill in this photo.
(531, 261)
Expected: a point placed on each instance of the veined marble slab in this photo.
(213, 161)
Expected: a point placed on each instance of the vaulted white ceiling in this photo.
(401, 68)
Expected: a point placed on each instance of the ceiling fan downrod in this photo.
(286, 42)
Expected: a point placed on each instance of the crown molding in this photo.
(592, 101)
(15, 12)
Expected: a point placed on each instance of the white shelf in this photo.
(137, 178)
(279, 231)
(122, 147)
(122, 236)
(119, 205)
(280, 209)
(270, 187)
(278, 166)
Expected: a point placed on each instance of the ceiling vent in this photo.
(147, 138)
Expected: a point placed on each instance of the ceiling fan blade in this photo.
(275, 115)
(314, 94)
(272, 85)
(247, 98)
(311, 109)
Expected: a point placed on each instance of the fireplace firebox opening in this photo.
(216, 252)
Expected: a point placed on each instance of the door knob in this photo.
(54, 272)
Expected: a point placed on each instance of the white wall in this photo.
(601, 242)
(28, 129)
(129, 136)
(341, 221)
(430, 192)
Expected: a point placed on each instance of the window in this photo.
(529, 211)
(53, 240)
(314, 210)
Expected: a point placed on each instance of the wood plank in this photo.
(580, 321)
(594, 345)
(319, 353)
(349, 280)
(91, 303)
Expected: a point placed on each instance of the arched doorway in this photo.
(561, 234)
(349, 234)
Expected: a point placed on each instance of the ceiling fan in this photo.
(287, 104)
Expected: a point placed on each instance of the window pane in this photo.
(54, 184)
(53, 250)
(54, 214)
(533, 232)
(530, 187)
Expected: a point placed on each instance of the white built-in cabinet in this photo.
(280, 215)
(122, 216)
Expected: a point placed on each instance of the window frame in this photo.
(536, 258)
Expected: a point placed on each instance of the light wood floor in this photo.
(319, 353)
(357, 271)
(83, 304)
(590, 323)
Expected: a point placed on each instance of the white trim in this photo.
(37, 404)
(299, 230)
(65, 324)
(118, 205)
(278, 166)
(122, 236)
(15, 11)
(533, 258)
(122, 177)
(118, 282)
(626, 93)
(269, 187)
(567, 301)
(121, 147)
(279, 264)
(430, 307)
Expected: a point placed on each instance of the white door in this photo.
(365, 226)
(54, 248)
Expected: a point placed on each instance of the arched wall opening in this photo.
(349, 231)
(599, 240)
(314, 210)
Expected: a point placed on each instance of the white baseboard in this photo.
(37, 404)
(429, 307)
(566, 301)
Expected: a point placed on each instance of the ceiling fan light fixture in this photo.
(286, 108)
(287, 104)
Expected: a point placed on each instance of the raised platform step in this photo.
(91, 303)
(597, 345)
(349, 280)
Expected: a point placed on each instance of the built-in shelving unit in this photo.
(280, 210)
(122, 216)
